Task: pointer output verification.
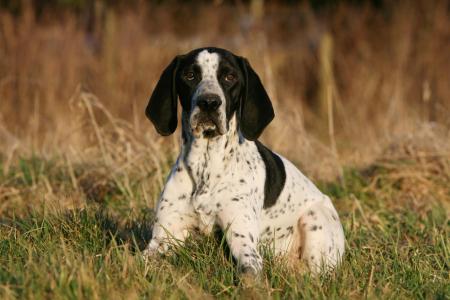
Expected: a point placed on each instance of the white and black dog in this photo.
(224, 176)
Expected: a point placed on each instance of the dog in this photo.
(224, 176)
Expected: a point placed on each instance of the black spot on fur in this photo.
(275, 175)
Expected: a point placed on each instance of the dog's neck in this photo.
(209, 159)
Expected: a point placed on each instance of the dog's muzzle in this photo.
(206, 117)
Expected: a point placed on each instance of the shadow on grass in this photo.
(136, 231)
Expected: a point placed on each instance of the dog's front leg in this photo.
(241, 226)
(174, 213)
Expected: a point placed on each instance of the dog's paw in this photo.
(149, 254)
(249, 270)
(250, 277)
(251, 283)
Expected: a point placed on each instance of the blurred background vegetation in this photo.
(349, 79)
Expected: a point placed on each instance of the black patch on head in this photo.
(275, 175)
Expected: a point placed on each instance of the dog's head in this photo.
(213, 85)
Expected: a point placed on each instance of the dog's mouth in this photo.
(206, 126)
(210, 130)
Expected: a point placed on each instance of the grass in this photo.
(394, 250)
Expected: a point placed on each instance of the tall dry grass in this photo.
(346, 83)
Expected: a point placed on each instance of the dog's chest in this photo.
(226, 176)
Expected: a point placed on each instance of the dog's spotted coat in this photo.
(224, 176)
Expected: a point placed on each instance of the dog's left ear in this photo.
(162, 106)
(256, 110)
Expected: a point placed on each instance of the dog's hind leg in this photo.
(321, 237)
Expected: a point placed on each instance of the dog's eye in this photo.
(230, 77)
(189, 76)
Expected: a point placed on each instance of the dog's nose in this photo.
(209, 102)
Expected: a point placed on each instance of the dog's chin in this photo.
(210, 133)
(207, 129)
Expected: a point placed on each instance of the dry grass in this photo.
(388, 76)
(362, 98)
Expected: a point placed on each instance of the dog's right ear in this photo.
(256, 111)
(162, 106)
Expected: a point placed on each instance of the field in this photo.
(362, 100)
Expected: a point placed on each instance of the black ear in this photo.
(256, 109)
(162, 106)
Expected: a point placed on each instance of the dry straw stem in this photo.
(328, 91)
